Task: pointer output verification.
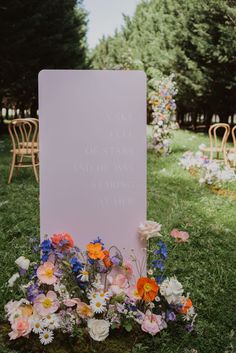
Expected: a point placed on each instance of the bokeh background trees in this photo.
(194, 39)
(36, 35)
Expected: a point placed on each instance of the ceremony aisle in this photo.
(205, 264)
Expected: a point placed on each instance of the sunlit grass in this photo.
(205, 265)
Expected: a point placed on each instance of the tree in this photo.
(38, 35)
(195, 40)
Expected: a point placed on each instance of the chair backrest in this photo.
(34, 120)
(214, 140)
(24, 134)
(233, 132)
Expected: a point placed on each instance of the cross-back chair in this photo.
(232, 150)
(217, 146)
(24, 137)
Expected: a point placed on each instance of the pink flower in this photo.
(132, 293)
(127, 266)
(120, 281)
(117, 284)
(153, 323)
(46, 304)
(20, 327)
(71, 302)
(180, 236)
(84, 310)
(46, 274)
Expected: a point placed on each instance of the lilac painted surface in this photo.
(93, 155)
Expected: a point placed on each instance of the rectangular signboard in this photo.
(93, 155)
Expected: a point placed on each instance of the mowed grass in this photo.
(205, 265)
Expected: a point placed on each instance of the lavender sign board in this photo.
(93, 155)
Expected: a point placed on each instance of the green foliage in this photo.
(205, 265)
(194, 39)
(38, 35)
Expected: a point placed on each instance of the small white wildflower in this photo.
(13, 278)
(46, 337)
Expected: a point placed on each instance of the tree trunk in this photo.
(224, 117)
(208, 119)
(33, 109)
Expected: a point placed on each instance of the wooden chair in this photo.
(233, 149)
(36, 121)
(24, 136)
(216, 146)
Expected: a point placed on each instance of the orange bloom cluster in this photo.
(147, 288)
(57, 238)
(187, 305)
(95, 252)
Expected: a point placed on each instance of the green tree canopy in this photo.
(38, 35)
(194, 39)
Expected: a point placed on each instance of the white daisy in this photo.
(52, 321)
(37, 323)
(83, 276)
(92, 294)
(103, 295)
(98, 306)
(46, 337)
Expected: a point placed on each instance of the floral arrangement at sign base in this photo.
(161, 99)
(95, 292)
(209, 172)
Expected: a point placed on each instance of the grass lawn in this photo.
(205, 265)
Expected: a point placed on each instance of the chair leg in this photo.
(211, 155)
(35, 168)
(225, 159)
(12, 168)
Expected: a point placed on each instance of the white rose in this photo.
(148, 230)
(172, 290)
(98, 329)
(13, 278)
(22, 262)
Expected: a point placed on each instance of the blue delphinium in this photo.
(160, 279)
(162, 250)
(98, 240)
(158, 264)
(46, 247)
(76, 265)
(162, 255)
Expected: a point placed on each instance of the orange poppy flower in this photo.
(107, 261)
(147, 288)
(187, 305)
(95, 251)
(57, 238)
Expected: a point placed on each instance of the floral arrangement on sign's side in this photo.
(163, 106)
(95, 290)
(210, 172)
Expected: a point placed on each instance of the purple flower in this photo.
(170, 316)
(189, 327)
(22, 272)
(115, 260)
(33, 291)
